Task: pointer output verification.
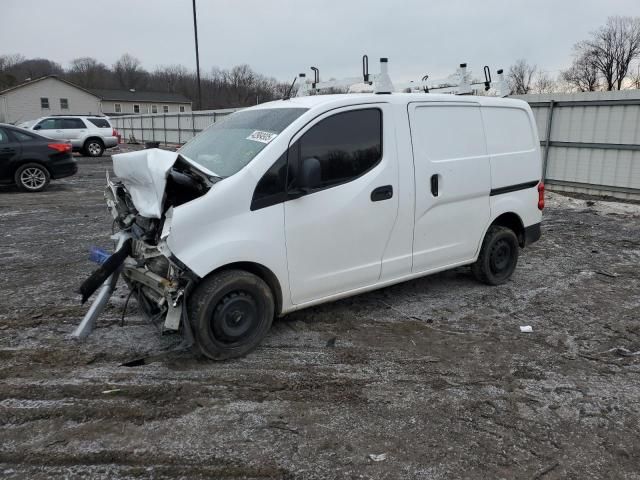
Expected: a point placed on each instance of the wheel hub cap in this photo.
(235, 317)
(501, 256)
(32, 178)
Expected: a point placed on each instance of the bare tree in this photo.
(7, 66)
(521, 77)
(89, 73)
(543, 83)
(614, 46)
(583, 74)
(129, 71)
(171, 77)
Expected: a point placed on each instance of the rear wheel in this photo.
(32, 177)
(93, 148)
(498, 256)
(230, 313)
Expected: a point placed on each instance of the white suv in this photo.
(88, 134)
(303, 201)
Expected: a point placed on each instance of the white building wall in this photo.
(108, 107)
(23, 103)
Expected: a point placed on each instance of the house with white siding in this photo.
(51, 95)
(131, 102)
(46, 96)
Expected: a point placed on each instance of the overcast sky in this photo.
(282, 37)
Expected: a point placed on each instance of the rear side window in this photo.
(4, 138)
(347, 144)
(23, 137)
(508, 130)
(100, 122)
(447, 132)
(72, 123)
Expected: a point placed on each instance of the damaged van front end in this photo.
(150, 183)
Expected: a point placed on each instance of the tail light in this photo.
(60, 147)
(540, 196)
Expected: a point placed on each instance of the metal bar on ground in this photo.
(106, 290)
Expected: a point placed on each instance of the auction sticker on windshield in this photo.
(262, 137)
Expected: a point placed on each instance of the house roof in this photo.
(55, 77)
(139, 96)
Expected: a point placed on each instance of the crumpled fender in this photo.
(144, 174)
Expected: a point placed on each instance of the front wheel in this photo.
(498, 256)
(230, 313)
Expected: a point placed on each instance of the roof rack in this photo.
(382, 84)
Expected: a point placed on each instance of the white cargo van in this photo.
(303, 201)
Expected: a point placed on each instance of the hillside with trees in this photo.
(239, 86)
(608, 60)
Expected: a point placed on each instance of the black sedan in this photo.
(30, 160)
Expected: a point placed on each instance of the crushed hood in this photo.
(144, 174)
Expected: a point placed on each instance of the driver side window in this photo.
(346, 145)
(49, 124)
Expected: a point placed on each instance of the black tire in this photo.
(32, 177)
(230, 313)
(93, 147)
(498, 256)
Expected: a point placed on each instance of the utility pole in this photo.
(195, 31)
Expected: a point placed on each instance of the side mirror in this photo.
(310, 174)
(37, 127)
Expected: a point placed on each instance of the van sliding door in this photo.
(452, 180)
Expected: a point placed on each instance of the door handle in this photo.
(382, 193)
(434, 185)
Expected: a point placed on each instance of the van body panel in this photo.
(335, 243)
(452, 182)
(512, 144)
(398, 255)
(336, 237)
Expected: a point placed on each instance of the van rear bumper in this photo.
(532, 234)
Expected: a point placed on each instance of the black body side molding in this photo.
(513, 188)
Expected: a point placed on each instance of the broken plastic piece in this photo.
(98, 255)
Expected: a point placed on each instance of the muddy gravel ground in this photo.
(434, 374)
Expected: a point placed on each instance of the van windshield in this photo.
(229, 145)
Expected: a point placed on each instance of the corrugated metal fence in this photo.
(590, 141)
(175, 128)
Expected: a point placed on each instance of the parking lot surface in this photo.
(432, 378)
